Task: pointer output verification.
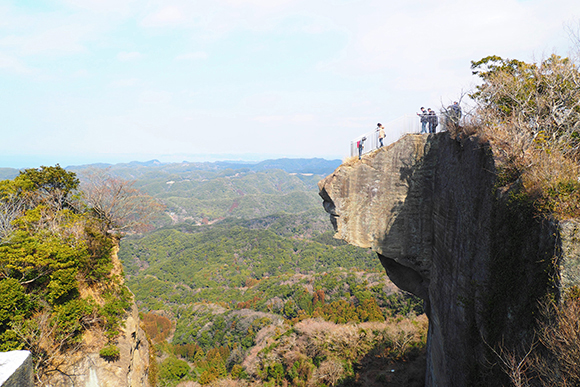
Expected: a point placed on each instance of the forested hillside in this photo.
(207, 192)
(57, 275)
(241, 279)
(8, 173)
(216, 287)
(247, 283)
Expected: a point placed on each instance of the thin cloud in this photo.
(52, 40)
(294, 118)
(129, 56)
(82, 73)
(104, 6)
(192, 56)
(151, 97)
(128, 82)
(14, 65)
(170, 15)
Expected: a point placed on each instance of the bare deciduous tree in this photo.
(330, 371)
(11, 208)
(559, 332)
(115, 201)
(540, 101)
(515, 364)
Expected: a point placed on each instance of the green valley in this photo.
(243, 280)
(233, 267)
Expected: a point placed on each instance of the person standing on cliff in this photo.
(433, 121)
(360, 145)
(381, 130)
(454, 113)
(424, 119)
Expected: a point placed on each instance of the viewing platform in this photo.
(394, 130)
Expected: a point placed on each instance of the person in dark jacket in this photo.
(433, 121)
(454, 114)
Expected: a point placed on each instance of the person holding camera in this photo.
(424, 120)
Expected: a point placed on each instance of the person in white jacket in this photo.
(381, 130)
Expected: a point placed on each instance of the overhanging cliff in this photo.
(481, 259)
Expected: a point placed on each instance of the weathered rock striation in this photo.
(430, 206)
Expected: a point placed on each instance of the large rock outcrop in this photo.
(480, 258)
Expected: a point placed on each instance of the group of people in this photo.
(429, 121)
(428, 118)
(380, 135)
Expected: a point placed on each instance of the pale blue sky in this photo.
(118, 80)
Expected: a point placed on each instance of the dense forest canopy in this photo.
(270, 263)
(238, 252)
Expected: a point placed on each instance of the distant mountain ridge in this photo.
(8, 173)
(203, 192)
(316, 166)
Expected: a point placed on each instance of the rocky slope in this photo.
(431, 208)
(86, 368)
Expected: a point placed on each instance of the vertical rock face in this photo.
(427, 205)
(16, 369)
(86, 368)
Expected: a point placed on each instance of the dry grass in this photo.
(340, 344)
(552, 359)
(560, 334)
(350, 161)
(549, 178)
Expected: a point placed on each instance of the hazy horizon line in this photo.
(35, 161)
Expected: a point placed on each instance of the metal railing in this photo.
(409, 123)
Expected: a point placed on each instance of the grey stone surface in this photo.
(429, 207)
(570, 258)
(16, 369)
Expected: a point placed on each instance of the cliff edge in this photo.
(431, 208)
